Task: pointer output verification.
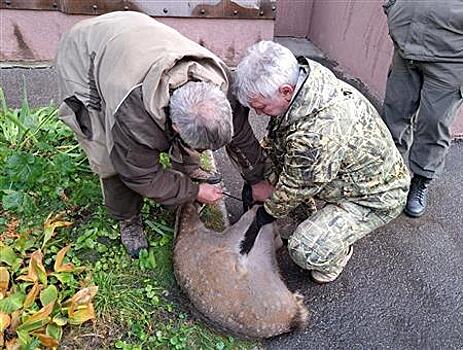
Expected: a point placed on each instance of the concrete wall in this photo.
(353, 32)
(293, 18)
(33, 35)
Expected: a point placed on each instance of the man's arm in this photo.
(244, 150)
(312, 160)
(138, 142)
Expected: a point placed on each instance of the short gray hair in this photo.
(265, 67)
(202, 115)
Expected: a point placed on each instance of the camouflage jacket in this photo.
(333, 145)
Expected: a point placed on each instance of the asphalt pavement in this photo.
(403, 287)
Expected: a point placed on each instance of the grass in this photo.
(138, 304)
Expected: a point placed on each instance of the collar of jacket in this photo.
(319, 91)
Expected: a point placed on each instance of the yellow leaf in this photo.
(32, 295)
(4, 322)
(36, 271)
(59, 266)
(51, 225)
(4, 280)
(12, 344)
(42, 314)
(46, 340)
(82, 297)
(82, 314)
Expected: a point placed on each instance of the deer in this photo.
(238, 293)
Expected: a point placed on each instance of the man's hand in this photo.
(262, 218)
(209, 194)
(262, 191)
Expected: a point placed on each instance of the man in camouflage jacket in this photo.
(325, 141)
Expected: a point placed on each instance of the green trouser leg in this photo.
(320, 242)
(422, 101)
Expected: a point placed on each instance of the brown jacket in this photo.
(116, 73)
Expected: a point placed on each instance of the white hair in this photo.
(265, 67)
(202, 115)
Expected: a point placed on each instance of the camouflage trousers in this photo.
(320, 242)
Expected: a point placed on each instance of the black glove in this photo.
(246, 196)
(262, 218)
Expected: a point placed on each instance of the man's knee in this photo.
(313, 249)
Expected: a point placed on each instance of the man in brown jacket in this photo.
(133, 88)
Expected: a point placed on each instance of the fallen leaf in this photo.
(59, 266)
(12, 344)
(82, 297)
(36, 270)
(47, 340)
(32, 295)
(50, 225)
(37, 320)
(82, 314)
(4, 281)
(5, 321)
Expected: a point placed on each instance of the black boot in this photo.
(417, 197)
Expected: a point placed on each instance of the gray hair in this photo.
(265, 67)
(202, 115)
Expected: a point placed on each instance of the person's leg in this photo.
(121, 202)
(441, 97)
(402, 100)
(322, 243)
(125, 205)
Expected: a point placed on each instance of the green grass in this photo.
(138, 304)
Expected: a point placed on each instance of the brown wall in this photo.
(27, 35)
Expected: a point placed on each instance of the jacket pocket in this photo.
(67, 115)
(81, 121)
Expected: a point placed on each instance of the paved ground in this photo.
(403, 288)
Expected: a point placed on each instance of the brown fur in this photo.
(242, 295)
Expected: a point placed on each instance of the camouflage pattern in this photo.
(332, 145)
(322, 241)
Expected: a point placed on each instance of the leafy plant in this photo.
(36, 302)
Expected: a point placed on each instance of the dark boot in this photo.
(417, 197)
(205, 176)
(132, 236)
